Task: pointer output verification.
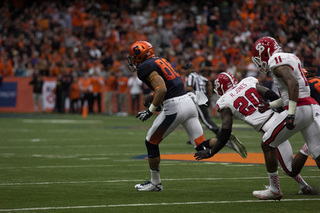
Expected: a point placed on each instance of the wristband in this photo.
(152, 108)
(275, 104)
(292, 107)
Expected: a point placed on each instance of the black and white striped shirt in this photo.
(197, 82)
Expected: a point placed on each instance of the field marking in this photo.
(55, 167)
(120, 181)
(61, 121)
(154, 204)
(94, 158)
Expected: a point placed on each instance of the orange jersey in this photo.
(75, 91)
(111, 83)
(85, 84)
(97, 83)
(6, 69)
(122, 84)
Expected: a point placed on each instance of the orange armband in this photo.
(159, 87)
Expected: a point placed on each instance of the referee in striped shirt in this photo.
(196, 82)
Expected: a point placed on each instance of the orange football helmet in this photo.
(138, 52)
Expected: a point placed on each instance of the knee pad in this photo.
(153, 150)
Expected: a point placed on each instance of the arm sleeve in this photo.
(271, 95)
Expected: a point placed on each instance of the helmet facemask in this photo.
(131, 63)
(263, 66)
(262, 50)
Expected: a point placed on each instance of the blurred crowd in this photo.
(76, 38)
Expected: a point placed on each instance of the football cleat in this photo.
(307, 190)
(267, 194)
(148, 187)
(235, 144)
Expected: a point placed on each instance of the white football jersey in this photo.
(294, 62)
(243, 100)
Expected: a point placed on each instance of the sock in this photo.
(274, 182)
(304, 150)
(301, 181)
(155, 176)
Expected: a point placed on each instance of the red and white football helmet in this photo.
(224, 82)
(262, 50)
(138, 52)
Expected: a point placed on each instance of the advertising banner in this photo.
(8, 94)
(48, 96)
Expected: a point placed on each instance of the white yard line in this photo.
(153, 204)
(167, 179)
(61, 121)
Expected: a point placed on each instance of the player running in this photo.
(178, 108)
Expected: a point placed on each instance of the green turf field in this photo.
(66, 163)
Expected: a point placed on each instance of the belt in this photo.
(176, 98)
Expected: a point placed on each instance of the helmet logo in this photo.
(217, 83)
(136, 50)
(260, 48)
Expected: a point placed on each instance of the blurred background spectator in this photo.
(48, 37)
(86, 92)
(122, 94)
(97, 82)
(111, 88)
(37, 84)
(75, 92)
(135, 86)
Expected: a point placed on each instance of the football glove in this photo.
(263, 106)
(144, 115)
(203, 154)
(290, 122)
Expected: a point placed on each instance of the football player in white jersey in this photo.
(242, 101)
(303, 112)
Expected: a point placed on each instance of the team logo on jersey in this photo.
(218, 107)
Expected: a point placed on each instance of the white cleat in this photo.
(267, 194)
(235, 144)
(148, 187)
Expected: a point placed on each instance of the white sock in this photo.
(301, 181)
(274, 182)
(155, 176)
(304, 150)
